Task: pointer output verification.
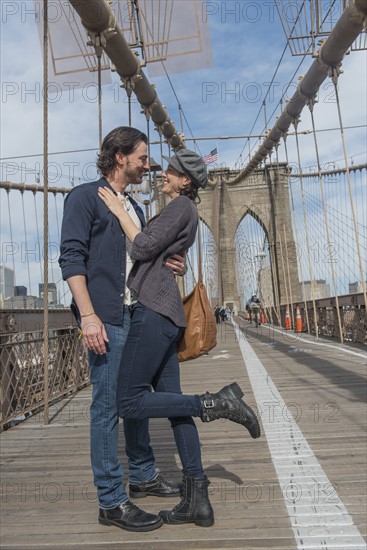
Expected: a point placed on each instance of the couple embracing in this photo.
(121, 273)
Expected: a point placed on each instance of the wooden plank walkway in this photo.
(48, 498)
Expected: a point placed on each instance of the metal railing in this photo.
(22, 388)
(325, 323)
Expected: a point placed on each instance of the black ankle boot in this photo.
(227, 403)
(194, 507)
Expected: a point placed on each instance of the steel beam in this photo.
(100, 22)
(329, 57)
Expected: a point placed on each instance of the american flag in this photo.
(211, 157)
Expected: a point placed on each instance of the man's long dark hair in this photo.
(122, 139)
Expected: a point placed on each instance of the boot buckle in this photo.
(209, 403)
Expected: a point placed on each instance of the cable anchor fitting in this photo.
(311, 101)
(296, 121)
(335, 72)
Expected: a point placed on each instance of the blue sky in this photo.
(247, 42)
(221, 100)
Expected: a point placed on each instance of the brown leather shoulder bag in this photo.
(200, 335)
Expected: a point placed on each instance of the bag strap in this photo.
(200, 273)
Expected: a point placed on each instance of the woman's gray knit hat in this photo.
(191, 164)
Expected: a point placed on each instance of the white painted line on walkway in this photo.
(316, 343)
(318, 517)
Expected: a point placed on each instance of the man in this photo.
(217, 314)
(94, 261)
(255, 306)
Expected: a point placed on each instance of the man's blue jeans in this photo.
(104, 425)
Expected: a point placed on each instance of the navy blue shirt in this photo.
(93, 245)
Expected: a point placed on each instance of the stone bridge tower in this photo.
(264, 195)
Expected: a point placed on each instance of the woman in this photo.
(157, 319)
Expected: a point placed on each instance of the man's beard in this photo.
(133, 174)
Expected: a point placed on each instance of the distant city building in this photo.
(23, 302)
(52, 292)
(356, 287)
(20, 291)
(320, 289)
(7, 279)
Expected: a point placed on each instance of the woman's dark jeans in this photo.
(150, 360)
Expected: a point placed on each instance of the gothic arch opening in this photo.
(253, 265)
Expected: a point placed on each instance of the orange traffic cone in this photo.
(262, 318)
(299, 323)
(287, 319)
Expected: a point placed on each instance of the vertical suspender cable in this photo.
(321, 182)
(148, 136)
(265, 117)
(45, 209)
(283, 268)
(128, 93)
(313, 33)
(149, 206)
(295, 124)
(297, 239)
(59, 240)
(199, 255)
(99, 57)
(289, 276)
(363, 277)
(275, 280)
(11, 234)
(205, 262)
(38, 234)
(26, 242)
(180, 113)
(254, 246)
(50, 259)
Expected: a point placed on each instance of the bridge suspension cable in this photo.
(310, 270)
(26, 242)
(341, 228)
(321, 183)
(37, 231)
(330, 55)
(363, 279)
(298, 247)
(269, 88)
(45, 212)
(127, 66)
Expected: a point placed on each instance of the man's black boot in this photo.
(227, 403)
(130, 517)
(158, 487)
(195, 505)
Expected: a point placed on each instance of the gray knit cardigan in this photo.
(172, 232)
